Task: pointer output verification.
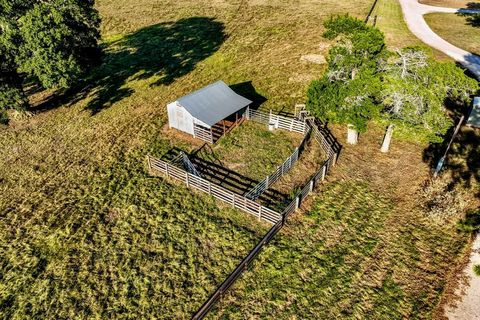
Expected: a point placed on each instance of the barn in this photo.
(208, 113)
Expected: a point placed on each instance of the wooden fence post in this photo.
(149, 163)
(186, 179)
(324, 171)
(260, 213)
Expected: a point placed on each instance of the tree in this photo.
(50, 42)
(415, 88)
(346, 94)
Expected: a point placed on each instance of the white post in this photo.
(324, 172)
(387, 139)
(297, 203)
(248, 113)
(352, 136)
(260, 213)
(311, 185)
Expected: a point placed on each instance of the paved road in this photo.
(413, 13)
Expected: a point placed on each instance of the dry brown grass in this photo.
(449, 3)
(456, 30)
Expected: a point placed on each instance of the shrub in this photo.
(476, 270)
(471, 222)
(441, 202)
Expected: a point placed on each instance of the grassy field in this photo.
(456, 30)
(451, 3)
(362, 249)
(87, 232)
(390, 21)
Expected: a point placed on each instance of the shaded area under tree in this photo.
(165, 51)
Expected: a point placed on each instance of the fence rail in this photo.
(235, 200)
(308, 127)
(202, 133)
(202, 312)
(280, 122)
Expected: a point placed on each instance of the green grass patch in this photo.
(455, 29)
(253, 151)
(476, 270)
(350, 257)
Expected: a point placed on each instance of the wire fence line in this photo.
(332, 151)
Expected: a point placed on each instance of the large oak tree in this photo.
(347, 93)
(49, 42)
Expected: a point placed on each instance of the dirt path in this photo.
(413, 13)
(468, 307)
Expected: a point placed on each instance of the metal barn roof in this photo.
(213, 103)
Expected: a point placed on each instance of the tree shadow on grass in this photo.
(247, 90)
(472, 18)
(163, 52)
(463, 160)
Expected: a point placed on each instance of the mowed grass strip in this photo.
(456, 30)
(390, 21)
(353, 256)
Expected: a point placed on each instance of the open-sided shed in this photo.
(208, 112)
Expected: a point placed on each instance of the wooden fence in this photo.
(282, 170)
(235, 200)
(205, 308)
(278, 121)
(307, 189)
(246, 262)
(202, 133)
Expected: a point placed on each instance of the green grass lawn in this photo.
(253, 151)
(456, 30)
(362, 248)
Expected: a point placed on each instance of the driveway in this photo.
(413, 13)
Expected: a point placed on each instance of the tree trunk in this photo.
(387, 139)
(352, 136)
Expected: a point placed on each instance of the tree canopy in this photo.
(415, 89)
(346, 93)
(50, 42)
